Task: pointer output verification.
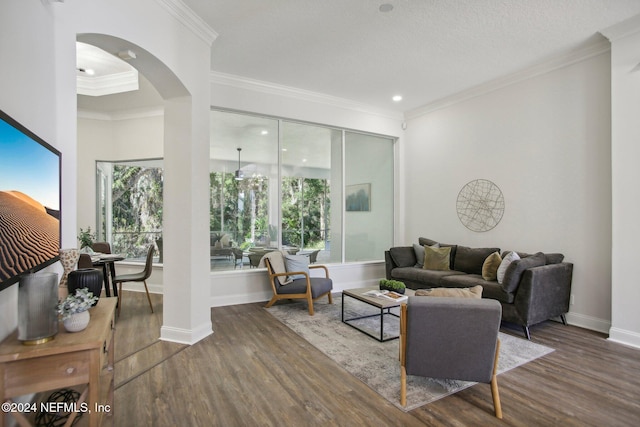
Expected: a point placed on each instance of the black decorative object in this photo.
(69, 399)
(86, 278)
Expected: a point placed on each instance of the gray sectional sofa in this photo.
(535, 288)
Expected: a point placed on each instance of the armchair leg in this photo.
(271, 302)
(403, 386)
(330, 298)
(494, 385)
(564, 319)
(526, 332)
(310, 301)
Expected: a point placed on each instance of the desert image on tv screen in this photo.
(29, 203)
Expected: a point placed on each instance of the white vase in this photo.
(77, 322)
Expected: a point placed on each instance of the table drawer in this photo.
(41, 374)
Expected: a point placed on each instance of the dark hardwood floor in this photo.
(253, 371)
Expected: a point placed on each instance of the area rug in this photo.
(376, 363)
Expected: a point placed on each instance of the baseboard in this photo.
(588, 322)
(186, 336)
(139, 287)
(625, 337)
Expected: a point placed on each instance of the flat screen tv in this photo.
(30, 171)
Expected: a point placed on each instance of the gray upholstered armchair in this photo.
(450, 338)
(297, 283)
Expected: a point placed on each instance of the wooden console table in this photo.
(71, 359)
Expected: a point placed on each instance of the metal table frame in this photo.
(374, 302)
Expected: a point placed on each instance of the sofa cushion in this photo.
(470, 260)
(507, 259)
(463, 280)
(419, 251)
(517, 267)
(429, 278)
(474, 292)
(436, 258)
(403, 256)
(428, 242)
(550, 258)
(490, 266)
(493, 290)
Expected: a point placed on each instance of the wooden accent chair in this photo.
(296, 284)
(450, 338)
(136, 277)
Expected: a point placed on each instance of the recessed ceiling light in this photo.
(264, 132)
(386, 7)
(397, 98)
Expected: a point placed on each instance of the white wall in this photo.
(27, 46)
(625, 81)
(545, 142)
(41, 35)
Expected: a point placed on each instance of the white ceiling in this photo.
(424, 50)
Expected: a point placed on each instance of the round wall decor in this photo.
(480, 205)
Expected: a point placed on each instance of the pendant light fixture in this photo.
(239, 173)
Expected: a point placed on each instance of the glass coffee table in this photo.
(383, 304)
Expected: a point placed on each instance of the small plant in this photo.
(86, 238)
(392, 285)
(82, 301)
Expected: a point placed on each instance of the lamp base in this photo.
(37, 342)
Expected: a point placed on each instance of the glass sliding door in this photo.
(368, 213)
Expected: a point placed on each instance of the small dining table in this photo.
(107, 262)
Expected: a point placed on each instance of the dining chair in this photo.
(142, 276)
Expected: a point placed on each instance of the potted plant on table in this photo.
(75, 310)
(392, 285)
(86, 238)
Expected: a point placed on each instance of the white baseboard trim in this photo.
(625, 337)
(139, 287)
(186, 336)
(224, 300)
(588, 322)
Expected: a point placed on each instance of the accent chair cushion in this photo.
(490, 266)
(474, 292)
(436, 258)
(296, 263)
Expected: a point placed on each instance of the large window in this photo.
(279, 184)
(130, 205)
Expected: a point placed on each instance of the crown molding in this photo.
(555, 63)
(299, 94)
(622, 29)
(108, 84)
(190, 19)
(135, 113)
